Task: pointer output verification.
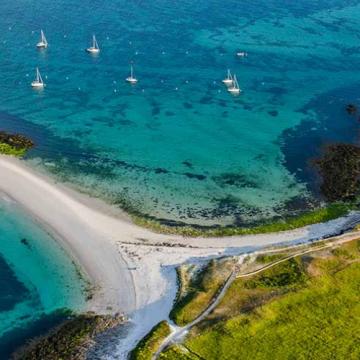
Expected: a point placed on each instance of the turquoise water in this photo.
(37, 279)
(177, 146)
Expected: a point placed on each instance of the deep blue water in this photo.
(38, 281)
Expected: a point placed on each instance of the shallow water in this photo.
(37, 279)
(177, 146)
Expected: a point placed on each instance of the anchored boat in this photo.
(94, 49)
(131, 79)
(235, 88)
(228, 80)
(42, 44)
(38, 82)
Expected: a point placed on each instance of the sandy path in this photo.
(131, 269)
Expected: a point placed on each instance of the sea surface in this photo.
(177, 146)
(38, 280)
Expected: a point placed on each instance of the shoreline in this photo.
(131, 268)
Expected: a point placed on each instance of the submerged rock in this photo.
(339, 168)
(71, 340)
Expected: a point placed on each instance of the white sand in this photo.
(131, 269)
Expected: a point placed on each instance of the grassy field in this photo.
(304, 308)
(197, 291)
(149, 344)
(327, 213)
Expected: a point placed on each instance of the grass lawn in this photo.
(197, 291)
(307, 308)
(149, 344)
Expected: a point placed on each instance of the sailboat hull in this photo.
(41, 45)
(131, 80)
(227, 82)
(37, 84)
(92, 50)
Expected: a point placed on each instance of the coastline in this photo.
(131, 268)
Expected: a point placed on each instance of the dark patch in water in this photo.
(273, 113)
(233, 179)
(155, 111)
(187, 105)
(26, 243)
(12, 291)
(195, 176)
(126, 122)
(206, 100)
(169, 113)
(306, 140)
(17, 337)
(188, 164)
(161, 171)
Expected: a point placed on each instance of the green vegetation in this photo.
(269, 258)
(70, 340)
(311, 313)
(14, 144)
(179, 353)
(330, 212)
(147, 347)
(6, 149)
(196, 292)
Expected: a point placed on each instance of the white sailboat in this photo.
(94, 49)
(235, 88)
(38, 82)
(131, 79)
(42, 44)
(228, 80)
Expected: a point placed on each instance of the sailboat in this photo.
(94, 49)
(38, 82)
(228, 80)
(131, 79)
(234, 89)
(42, 44)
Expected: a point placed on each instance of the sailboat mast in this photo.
(131, 71)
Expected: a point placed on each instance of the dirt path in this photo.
(179, 332)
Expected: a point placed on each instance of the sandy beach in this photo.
(131, 268)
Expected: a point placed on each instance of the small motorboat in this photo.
(241, 54)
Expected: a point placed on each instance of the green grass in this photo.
(330, 212)
(145, 349)
(177, 352)
(314, 313)
(7, 149)
(200, 291)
